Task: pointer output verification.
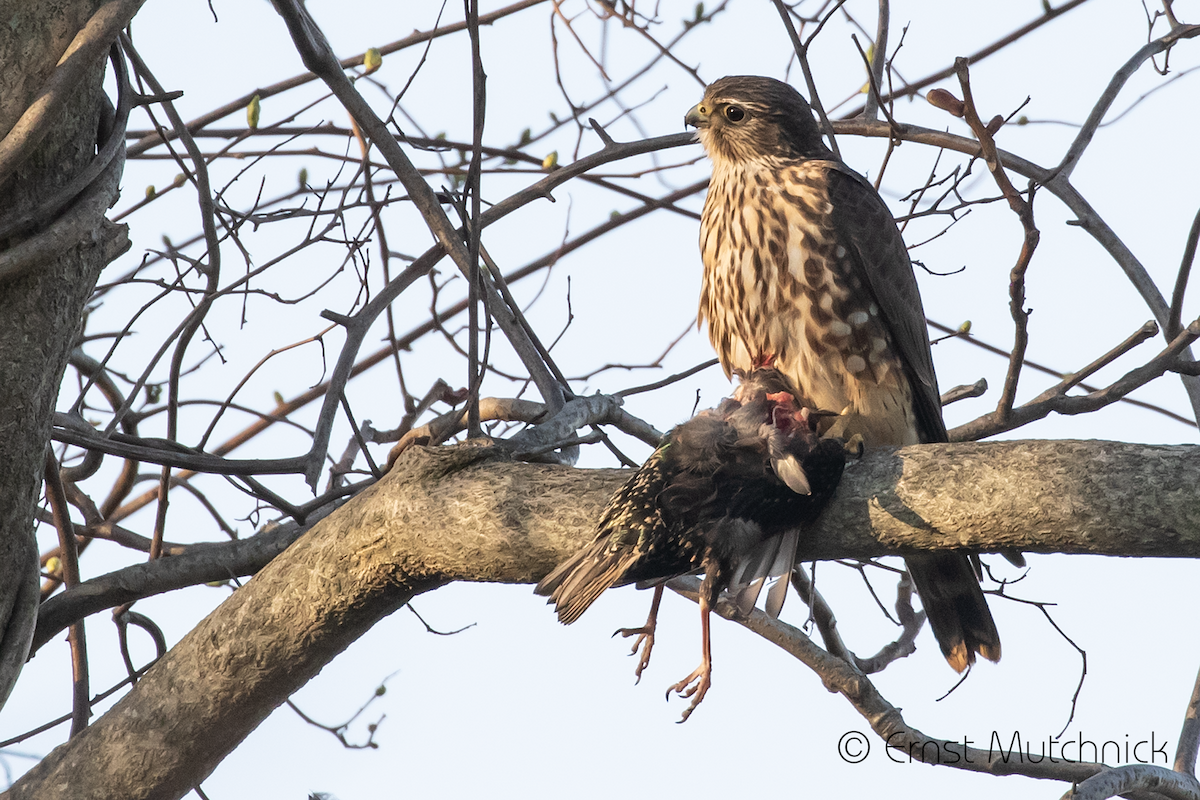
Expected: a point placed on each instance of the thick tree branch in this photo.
(465, 513)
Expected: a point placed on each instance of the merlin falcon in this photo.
(805, 271)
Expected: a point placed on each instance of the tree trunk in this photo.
(47, 273)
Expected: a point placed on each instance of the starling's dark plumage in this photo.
(805, 270)
(726, 493)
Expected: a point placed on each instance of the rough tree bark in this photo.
(462, 513)
(46, 275)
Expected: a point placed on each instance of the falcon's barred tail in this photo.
(955, 606)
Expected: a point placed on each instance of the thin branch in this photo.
(74, 431)
(801, 49)
(1189, 734)
(999, 351)
(1082, 139)
(1060, 402)
(475, 372)
(81, 709)
(964, 392)
(1148, 331)
(878, 61)
(1175, 320)
(885, 719)
(670, 379)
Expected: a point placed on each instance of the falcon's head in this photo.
(744, 117)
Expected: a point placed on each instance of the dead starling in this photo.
(727, 493)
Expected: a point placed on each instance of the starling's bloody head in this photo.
(745, 117)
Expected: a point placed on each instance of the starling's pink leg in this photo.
(702, 676)
(645, 635)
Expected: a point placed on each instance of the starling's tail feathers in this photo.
(955, 607)
(576, 583)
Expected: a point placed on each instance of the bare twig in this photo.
(667, 381)
(479, 109)
(878, 61)
(1024, 210)
(1034, 365)
(964, 392)
(1082, 139)
(822, 615)
(1147, 331)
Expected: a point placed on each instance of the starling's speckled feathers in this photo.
(805, 269)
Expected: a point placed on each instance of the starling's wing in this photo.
(787, 466)
(773, 556)
(624, 536)
(823, 464)
(866, 227)
(648, 531)
(745, 597)
(778, 593)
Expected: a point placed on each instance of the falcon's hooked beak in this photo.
(697, 116)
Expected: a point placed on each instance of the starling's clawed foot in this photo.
(645, 640)
(645, 634)
(694, 686)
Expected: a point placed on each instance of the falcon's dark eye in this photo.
(734, 113)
